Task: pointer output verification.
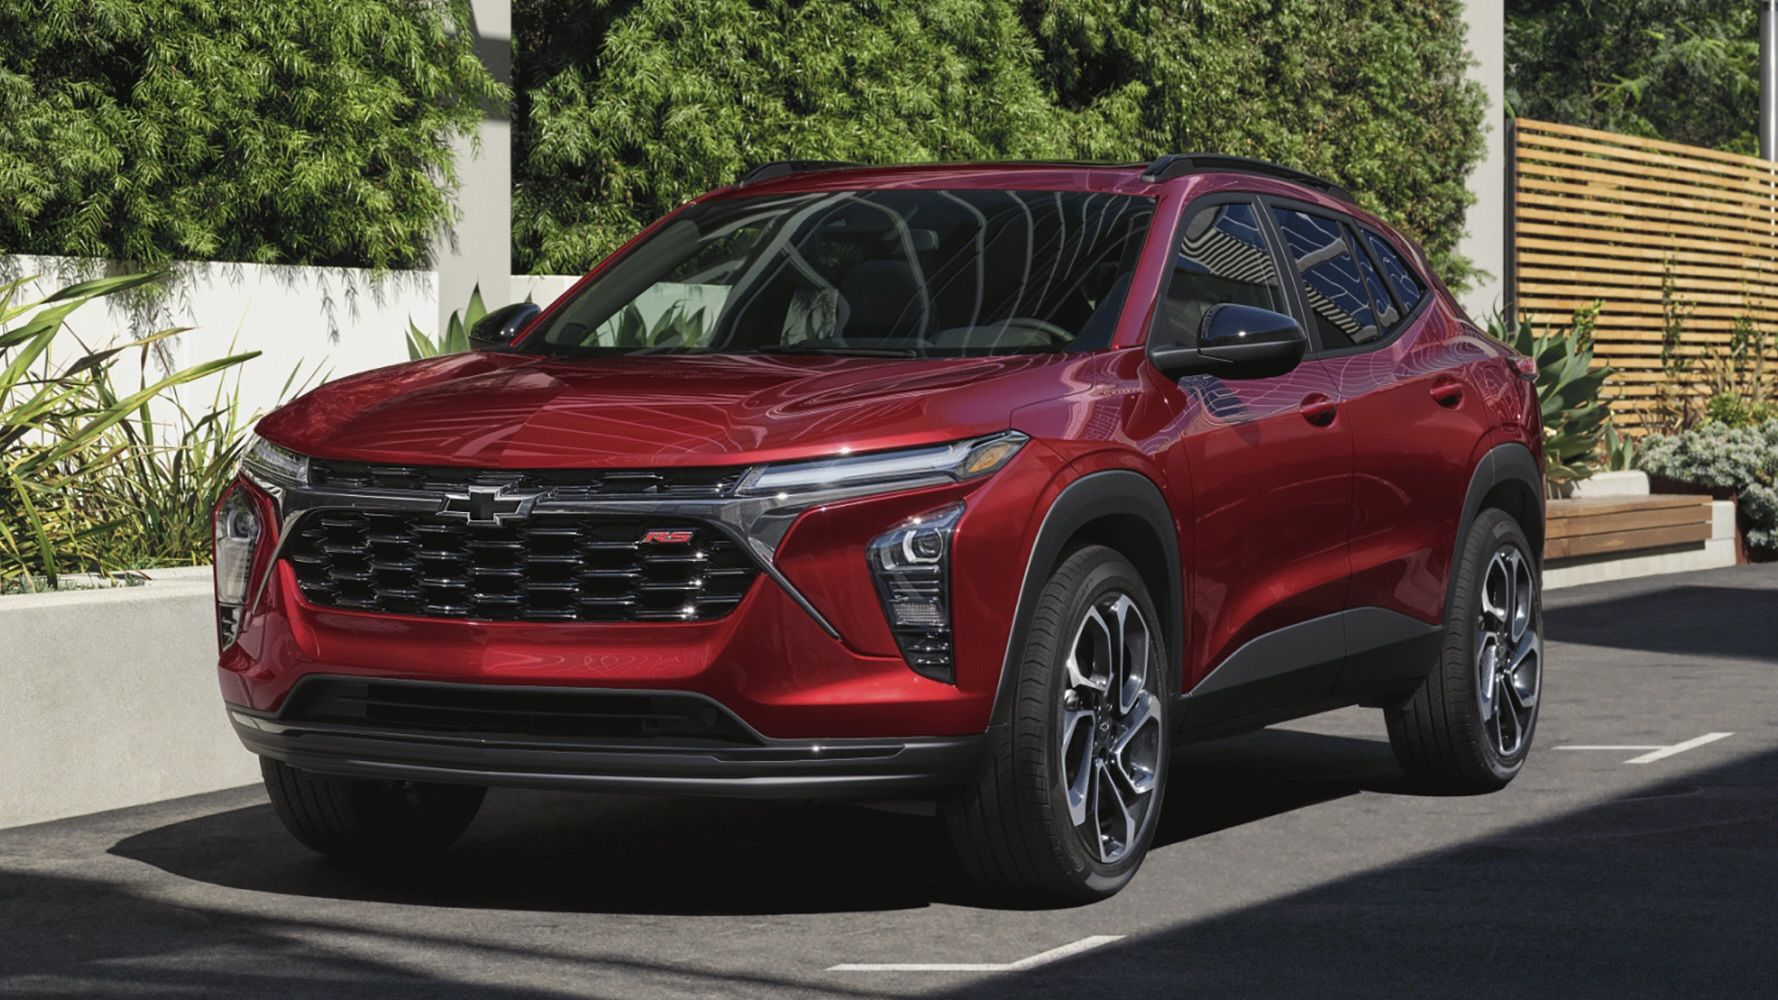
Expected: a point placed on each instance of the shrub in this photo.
(628, 107)
(1716, 455)
(63, 444)
(1576, 435)
(267, 131)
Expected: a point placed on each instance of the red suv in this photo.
(977, 484)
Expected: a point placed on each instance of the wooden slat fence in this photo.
(1674, 241)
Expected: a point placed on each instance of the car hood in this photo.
(518, 411)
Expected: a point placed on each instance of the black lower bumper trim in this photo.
(782, 769)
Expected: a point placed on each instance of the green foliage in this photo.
(1716, 455)
(168, 473)
(269, 131)
(1568, 387)
(454, 338)
(673, 328)
(1682, 70)
(628, 107)
(1622, 453)
(1736, 411)
(62, 436)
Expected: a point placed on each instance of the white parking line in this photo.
(1032, 962)
(1655, 752)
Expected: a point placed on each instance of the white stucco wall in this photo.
(321, 322)
(1485, 243)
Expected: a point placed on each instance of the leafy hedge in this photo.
(1683, 70)
(1715, 455)
(272, 131)
(627, 107)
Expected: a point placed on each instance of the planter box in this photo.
(108, 698)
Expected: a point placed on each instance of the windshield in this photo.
(906, 273)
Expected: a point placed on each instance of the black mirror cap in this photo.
(1237, 342)
(496, 330)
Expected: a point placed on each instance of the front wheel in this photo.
(1469, 726)
(1067, 800)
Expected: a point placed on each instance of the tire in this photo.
(1018, 830)
(1470, 725)
(359, 820)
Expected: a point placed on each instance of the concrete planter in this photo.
(108, 699)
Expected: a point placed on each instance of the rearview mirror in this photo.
(494, 332)
(1237, 342)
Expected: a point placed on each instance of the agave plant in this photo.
(1568, 388)
(673, 328)
(454, 338)
(59, 434)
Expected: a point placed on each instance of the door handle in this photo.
(1447, 392)
(1319, 409)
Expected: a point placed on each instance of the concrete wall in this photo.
(322, 321)
(1485, 243)
(108, 698)
(478, 249)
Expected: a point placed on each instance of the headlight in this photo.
(274, 464)
(912, 566)
(956, 461)
(237, 531)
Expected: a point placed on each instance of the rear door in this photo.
(1268, 464)
(1416, 418)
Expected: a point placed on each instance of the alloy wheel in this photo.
(1508, 650)
(1110, 742)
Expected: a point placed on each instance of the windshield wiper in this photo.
(855, 352)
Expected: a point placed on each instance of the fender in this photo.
(1505, 463)
(1087, 499)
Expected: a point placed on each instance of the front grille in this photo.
(554, 484)
(577, 567)
(511, 710)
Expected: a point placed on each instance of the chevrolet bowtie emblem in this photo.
(488, 505)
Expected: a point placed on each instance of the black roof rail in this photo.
(784, 168)
(1170, 165)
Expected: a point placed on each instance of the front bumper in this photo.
(416, 747)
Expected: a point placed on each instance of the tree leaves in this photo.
(269, 131)
(629, 107)
(1681, 70)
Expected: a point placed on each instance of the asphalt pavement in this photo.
(1291, 862)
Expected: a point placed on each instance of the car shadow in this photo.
(1665, 890)
(1700, 621)
(569, 852)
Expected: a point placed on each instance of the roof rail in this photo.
(1170, 165)
(784, 168)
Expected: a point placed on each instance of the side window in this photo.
(1407, 287)
(1332, 282)
(1221, 258)
(1388, 315)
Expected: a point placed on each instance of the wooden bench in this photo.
(1621, 525)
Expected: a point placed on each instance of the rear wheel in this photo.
(356, 819)
(1469, 726)
(1066, 803)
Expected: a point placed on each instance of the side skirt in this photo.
(1361, 655)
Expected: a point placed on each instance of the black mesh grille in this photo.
(545, 568)
(512, 710)
(555, 484)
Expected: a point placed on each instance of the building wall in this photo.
(1485, 243)
(316, 321)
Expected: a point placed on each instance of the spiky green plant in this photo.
(454, 338)
(1568, 387)
(673, 328)
(59, 434)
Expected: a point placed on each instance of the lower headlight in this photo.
(237, 533)
(912, 566)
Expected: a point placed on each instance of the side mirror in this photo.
(1237, 342)
(494, 332)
